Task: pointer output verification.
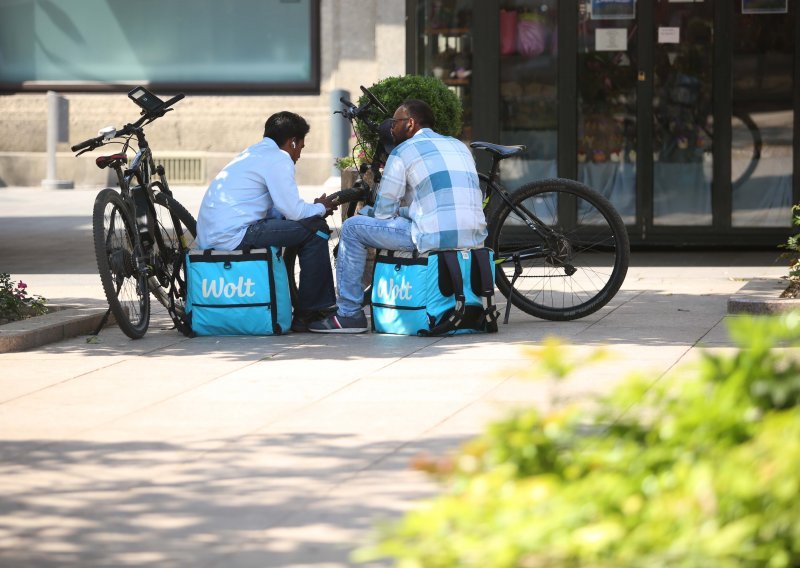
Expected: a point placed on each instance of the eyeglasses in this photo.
(396, 120)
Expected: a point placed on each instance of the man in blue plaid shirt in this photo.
(429, 199)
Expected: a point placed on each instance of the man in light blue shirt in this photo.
(429, 199)
(254, 202)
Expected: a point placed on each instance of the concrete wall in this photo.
(362, 41)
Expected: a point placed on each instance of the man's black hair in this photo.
(284, 125)
(421, 112)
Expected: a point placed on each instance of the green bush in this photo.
(15, 304)
(793, 245)
(698, 471)
(392, 91)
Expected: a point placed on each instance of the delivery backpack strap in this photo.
(449, 261)
(273, 293)
(183, 321)
(483, 286)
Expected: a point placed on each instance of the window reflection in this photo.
(607, 108)
(528, 87)
(761, 150)
(683, 126)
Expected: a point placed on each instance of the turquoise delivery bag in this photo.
(241, 292)
(436, 293)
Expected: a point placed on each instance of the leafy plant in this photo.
(696, 471)
(793, 245)
(392, 91)
(353, 161)
(15, 304)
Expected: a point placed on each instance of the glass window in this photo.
(446, 49)
(206, 43)
(607, 102)
(763, 119)
(529, 88)
(683, 126)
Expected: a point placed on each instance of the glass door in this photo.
(445, 49)
(607, 123)
(528, 94)
(763, 116)
(683, 121)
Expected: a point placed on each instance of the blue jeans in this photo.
(359, 233)
(316, 290)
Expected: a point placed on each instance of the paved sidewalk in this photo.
(279, 451)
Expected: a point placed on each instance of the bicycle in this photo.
(141, 232)
(561, 249)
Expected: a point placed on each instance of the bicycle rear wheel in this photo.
(573, 263)
(120, 263)
(172, 241)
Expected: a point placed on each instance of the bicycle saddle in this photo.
(499, 151)
(105, 161)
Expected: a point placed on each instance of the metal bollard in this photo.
(340, 130)
(57, 131)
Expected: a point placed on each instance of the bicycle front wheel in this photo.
(564, 247)
(173, 239)
(120, 263)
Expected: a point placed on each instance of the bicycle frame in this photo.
(531, 220)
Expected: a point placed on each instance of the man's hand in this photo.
(330, 203)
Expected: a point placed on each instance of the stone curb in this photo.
(62, 323)
(761, 296)
(758, 297)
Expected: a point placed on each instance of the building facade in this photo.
(237, 62)
(683, 113)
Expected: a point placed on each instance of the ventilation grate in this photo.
(183, 169)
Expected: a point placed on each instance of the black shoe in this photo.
(340, 324)
(301, 320)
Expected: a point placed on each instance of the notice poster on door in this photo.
(765, 6)
(613, 9)
(669, 35)
(611, 39)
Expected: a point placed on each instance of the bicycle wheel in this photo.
(746, 147)
(120, 263)
(168, 279)
(564, 247)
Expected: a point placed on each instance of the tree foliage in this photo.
(392, 91)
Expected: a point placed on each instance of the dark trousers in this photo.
(316, 290)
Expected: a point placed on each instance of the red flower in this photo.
(22, 285)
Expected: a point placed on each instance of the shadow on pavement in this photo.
(169, 504)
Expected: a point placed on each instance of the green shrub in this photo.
(697, 471)
(793, 245)
(392, 91)
(15, 304)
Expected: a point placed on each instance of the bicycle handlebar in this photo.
(353, 112)
(146, 118)
(174, 100)
(86, 143)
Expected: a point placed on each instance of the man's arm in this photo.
(392, 188)
(285, 195)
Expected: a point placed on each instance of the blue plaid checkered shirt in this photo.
(431, 179)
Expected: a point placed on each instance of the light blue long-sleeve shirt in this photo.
(257, 184)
